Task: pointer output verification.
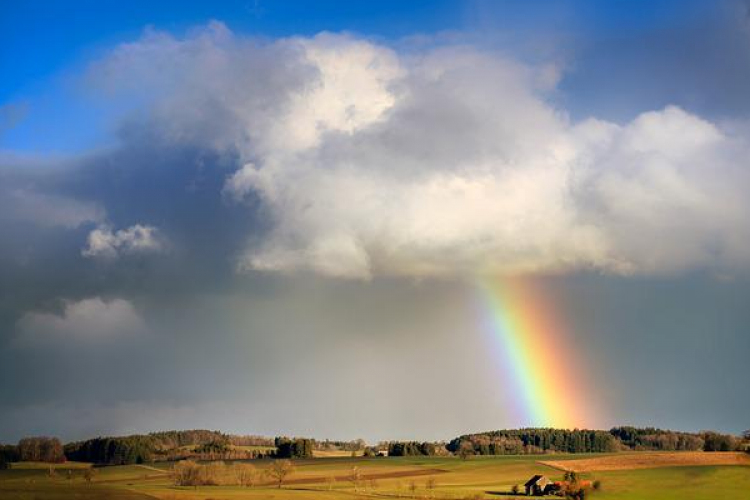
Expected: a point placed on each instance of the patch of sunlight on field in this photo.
(649, 460)
(32, 483)
(677, 483)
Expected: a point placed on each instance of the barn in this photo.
(536, 486)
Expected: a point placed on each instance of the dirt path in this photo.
(148, 467)
(364, 477)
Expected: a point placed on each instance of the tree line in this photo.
(544, 440)
(135, 449)
(213, 445)
(8, 454)
(169, 445)
(178, 439)
(532, 441)
(650, 438)
(40, 449)
(169, 440)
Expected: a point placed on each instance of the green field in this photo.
(452, 478)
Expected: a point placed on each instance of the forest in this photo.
(625, 438)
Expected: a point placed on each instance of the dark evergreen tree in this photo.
(294, 448)
(410, 449)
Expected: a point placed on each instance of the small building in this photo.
(536, 486)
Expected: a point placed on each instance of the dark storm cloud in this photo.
(177, 189)
(43, 273)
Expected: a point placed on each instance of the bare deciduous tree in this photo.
(89, 474)
(186, 473)
(41, 449)
(280, 469)
(413, 488)
(330, 481)
(356, 477)
(430, 486)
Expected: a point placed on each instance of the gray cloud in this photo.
(87, 320)
(49, 210)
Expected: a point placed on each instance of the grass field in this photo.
(696, 477)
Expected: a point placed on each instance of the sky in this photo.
(379, 220)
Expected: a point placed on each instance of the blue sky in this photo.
(47, 44)
(206, 190)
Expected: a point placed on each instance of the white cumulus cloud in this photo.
(104, 242)
(440, 161)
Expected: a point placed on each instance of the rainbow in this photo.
(536, 353)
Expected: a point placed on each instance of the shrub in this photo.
(245, 474)
(186, 473)
(213, 474)
(190, 473)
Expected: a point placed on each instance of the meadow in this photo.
(686, 476)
